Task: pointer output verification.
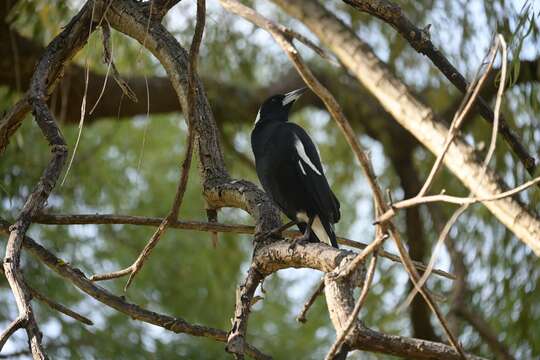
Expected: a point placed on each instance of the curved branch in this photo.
(77, 278)
(59, 51)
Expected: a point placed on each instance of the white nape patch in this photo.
(318, 229)
(302, 153)
(301, 167)
(258, 117)
(302, 216)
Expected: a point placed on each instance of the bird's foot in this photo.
(302, 240)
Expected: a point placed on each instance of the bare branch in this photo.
(59, 307)
(133, 269)
(244, 294)
(420, 40)
(77, 278)
(459, 201)
(307, 305)
(85, 219)
(278, 255)
(464, 108)
(499, 42)
(15, 325)
(352, 318)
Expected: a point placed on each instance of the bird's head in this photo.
(277, 107)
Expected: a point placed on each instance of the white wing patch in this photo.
(302, 153)
(301, 167)
(258, 117)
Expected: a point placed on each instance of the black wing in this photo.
(311, 175)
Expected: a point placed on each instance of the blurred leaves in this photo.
(185, 275)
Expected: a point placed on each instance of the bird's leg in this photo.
(275, 231)
(304, 238)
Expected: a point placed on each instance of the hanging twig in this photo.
(307, 305)
(500, 43)
(134, 268)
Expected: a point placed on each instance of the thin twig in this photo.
(354, 315)
(87, 219)
(307, 305)
(500, 43)
(359, 259)
(59, 307)
(455, 200)
(54, 305)
(134, 268)
(466, 105)
(15, 325)
(109, 60)
(83, 103)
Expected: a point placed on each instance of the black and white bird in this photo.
(290, 170)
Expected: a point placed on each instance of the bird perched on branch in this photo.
(290, 170)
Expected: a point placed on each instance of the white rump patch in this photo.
(302, 153)
(301, 167)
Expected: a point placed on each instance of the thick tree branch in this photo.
(278, 255)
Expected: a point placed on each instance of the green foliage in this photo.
(131, 166)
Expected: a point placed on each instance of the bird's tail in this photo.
(322, 230)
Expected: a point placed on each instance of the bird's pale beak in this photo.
(293, 95)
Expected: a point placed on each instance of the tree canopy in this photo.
(382, 64)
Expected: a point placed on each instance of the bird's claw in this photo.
(298, 241)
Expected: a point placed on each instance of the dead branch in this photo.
(278, 255)
(499, 43)
(307, 305)
(133, 269)
(15, 325)
(457, 121)
(244, 295)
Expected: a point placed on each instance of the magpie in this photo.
(289, 168)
